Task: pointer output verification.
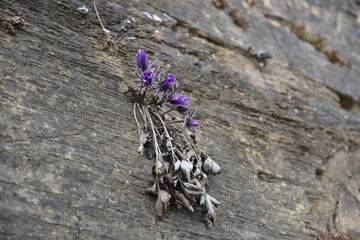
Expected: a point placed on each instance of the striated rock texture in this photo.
(287, 136)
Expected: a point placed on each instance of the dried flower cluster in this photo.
(166, 130)
(14, 24)
(261, 56)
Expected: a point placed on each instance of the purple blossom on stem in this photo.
(168, 82)
(178, 100)
(147, 77)
(142, 60)
(192, 123)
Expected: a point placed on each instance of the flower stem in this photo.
(171, 109)
(146, 88)
(172, 122)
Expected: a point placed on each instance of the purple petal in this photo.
(178, 100)
(147, 77)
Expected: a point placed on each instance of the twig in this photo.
(103, 28)
(137, 122)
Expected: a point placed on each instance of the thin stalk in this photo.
(146, 88)
(158, 156)
(172, 122)
(102, 26)
(152, 63)
(189, 144)
(137, 122)
(167, 134)
(171, 109)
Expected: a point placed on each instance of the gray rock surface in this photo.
(287, 136)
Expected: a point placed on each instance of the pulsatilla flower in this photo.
(191, 119)
(192, 123)
(147, 77)
(178, 100)
(168, 82)
(142, 60)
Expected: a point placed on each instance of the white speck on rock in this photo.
(83, 9)
(166, 16)
(148, 15)
(156, 18)
(152, 17)
(34, 201)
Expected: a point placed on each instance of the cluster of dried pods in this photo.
(167, 134)
(14, 24)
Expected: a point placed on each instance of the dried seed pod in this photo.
(209, 166)
(193, 190)
(190, 153)
(186, 165)
(161, 167)
(203, 178)
(163, 202)
(11, 29)
(185, 168)
(152, 189)
(195, 171)
(152, 179)
(17, 21)
(184, 201)
(177, 166)
(210, 204)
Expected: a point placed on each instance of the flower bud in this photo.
(168, 82)
(192, 123)
(142, 60)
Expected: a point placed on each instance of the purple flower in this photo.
(147, 77)
(192, 123)
(182, 109)
(178, 100)
(168, 82)
(142, 60)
